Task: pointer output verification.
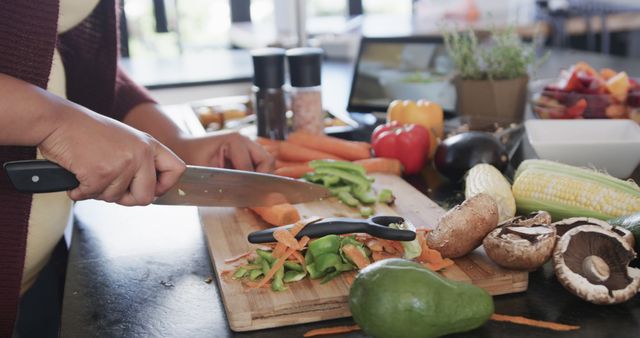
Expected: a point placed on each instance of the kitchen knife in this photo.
(201, 186)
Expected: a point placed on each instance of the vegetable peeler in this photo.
(377, 226)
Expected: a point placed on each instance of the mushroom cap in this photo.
(610, 283)
(534, 218)
(569, 223)
(520, 248)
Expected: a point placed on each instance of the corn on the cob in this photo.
(566, 191)
(485, 178)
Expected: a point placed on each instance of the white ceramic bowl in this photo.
(609, 145)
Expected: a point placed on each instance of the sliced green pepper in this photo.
(330, 276)
(254, 274)
(366, 211)
(266, 255)
(324, 245)
(265, 267)
(343, 165)
(293, 266)
(241, 272)
(386, 196)
(355, 179)
(293, 276)
(336, 190)
(277, 284)
(363, 196)
(308, 258)
(348, 199)
(328, 261)
(313, 272)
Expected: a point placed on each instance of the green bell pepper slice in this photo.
(324, 245)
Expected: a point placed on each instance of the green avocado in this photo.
(631, 223)
(400, 298)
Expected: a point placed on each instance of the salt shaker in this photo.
(306, 92)
(268, 92)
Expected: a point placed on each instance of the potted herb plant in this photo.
(492, 78)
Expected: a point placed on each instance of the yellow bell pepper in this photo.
(425, 113)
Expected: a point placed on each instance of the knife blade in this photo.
(200, 186)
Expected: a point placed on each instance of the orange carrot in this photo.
(380, 255)
(332, 330)
(279, 214)
(281, 247)
(294, 171)
(374, 245)
(381, 165)
(292, 152)
(282, 164)
(443, 264)
(533, 322)
(356, 256)
(238, 257)
(283, 236)
(349, 150)
(263, 141)
(298, 256)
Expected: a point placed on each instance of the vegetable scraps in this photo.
(325, 258)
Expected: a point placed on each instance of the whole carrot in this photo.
(381, 165)
(348, 150)
(292, 152)
(295, 171)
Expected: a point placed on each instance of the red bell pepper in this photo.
(409, 143)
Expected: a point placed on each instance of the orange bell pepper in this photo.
(424, 113)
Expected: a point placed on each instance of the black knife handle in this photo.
(39, 176)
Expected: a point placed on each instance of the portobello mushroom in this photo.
(569, 223)
(522, 243)
(593, 263)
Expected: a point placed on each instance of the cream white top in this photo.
(50, 213)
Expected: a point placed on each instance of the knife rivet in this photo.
(35, 178)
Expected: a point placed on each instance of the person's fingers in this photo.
(240, 156)
(117, 188)
(169, 168)
(92, 183)
(142, 186)
(262, 160)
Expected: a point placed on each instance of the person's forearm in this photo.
(28, 114)
(148, 118)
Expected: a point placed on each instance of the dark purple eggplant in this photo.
(457, 154)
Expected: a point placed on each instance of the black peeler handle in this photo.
(338, 226)
(39, 176)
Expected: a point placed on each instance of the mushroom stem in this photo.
(596, 269)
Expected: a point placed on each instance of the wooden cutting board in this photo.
(307, 301)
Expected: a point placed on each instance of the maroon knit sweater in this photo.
(90, 55)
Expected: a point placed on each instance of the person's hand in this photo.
(230, 150)
(112, 161)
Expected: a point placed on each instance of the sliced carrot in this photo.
(296, 171)
(283, 236)
(356, 256)
(298, 257)
(533, 322)
(349, 150)
(279, 214)
(428, 255)
(381, 165)
(281, 247)
(378, 256)
(283, 164)
(374, 245)
(332, 330)
(349, 278)
(443, 264)
(238, 257)
(296, 153)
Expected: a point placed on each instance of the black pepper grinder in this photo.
(268, 92)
